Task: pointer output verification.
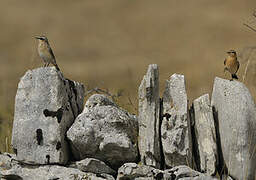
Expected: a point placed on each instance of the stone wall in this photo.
(56, 137)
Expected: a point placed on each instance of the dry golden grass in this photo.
(109, 44)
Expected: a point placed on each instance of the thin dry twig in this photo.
(247, 65)
(250, 27)
(131, 103)
(247, 25)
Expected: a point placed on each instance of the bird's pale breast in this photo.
(44, 52)
(232, 64)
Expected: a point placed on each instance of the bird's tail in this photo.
(234, 76)
(225, 69)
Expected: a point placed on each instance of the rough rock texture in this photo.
(46, 105)
(149, 136)
(6, 161)
(135, 171)
(51, 172)
(93, 165)
(105, 132)
(186, 173)
(205, 135)
(97, 100)
(236, 114)
(131, 171)
(174, 128)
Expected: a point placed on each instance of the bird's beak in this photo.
(37, 37)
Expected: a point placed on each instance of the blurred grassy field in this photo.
(109, 44)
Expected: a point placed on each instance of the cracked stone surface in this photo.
(93, 165)
(174, 128)
(105, 132)
(6, 161)
(51, 172)
(46, 105)
(235, 112)
(205, 135)
(131, 171)
(149, 123)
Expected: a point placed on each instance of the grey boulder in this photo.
(185, 173)
(51, 172)
(235, 113)
(93, 165)
(105, 132)
(97, 100)
(130, 171)
(46, 105)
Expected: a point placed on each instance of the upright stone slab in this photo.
(174, 128)
(149, 138)
(205, 135)
(46, 105)
(236, 114)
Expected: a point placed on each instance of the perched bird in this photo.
(231, 64)
(45, 52)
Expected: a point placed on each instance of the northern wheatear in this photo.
(45, 52)
(231, 64)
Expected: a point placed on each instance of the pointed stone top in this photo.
(153, 66)
(175, 92)
(177, 76)
(204, 96)
(152, 69)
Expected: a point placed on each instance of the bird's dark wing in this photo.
(50, 50)
(225, 61)
(238, 66)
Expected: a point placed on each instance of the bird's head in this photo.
(232, 53)
(42, 38)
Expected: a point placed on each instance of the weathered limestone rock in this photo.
(236, 114)
(174, 128)
(185, 173)
(97, 100)
(205, 135)
(93, 165)
(105, 132)
(6, 161)
(130, 171)
(46, 105)
(51, 172)
(149, 137)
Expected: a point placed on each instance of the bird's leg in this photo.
(44, 64)
(234, 76)
(231, 78)
(47, 64)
